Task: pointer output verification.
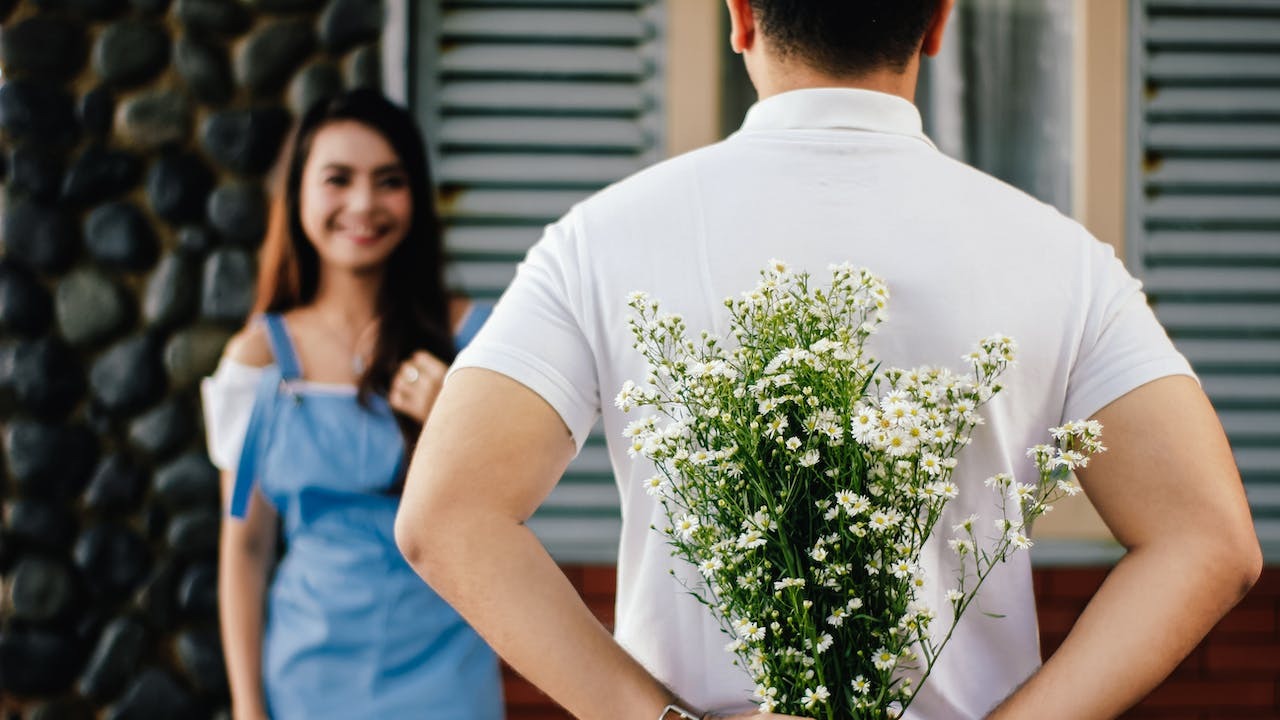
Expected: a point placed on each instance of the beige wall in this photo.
(694, 49)
(1101, 80)
(1100, 74)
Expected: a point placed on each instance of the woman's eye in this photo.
(336, 180)
(393, 182)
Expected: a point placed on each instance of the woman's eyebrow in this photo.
(387, 169)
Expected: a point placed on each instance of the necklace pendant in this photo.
(357, 365)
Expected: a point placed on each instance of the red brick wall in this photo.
(1234, 673)
(596, 585)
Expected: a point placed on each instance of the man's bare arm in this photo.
(1168, 489)
(490, 453)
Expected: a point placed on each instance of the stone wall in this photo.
(135, 135)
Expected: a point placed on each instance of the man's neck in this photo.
(797, 76)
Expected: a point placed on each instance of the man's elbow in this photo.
(414, 534)
(1249, 563)
(1234, 557)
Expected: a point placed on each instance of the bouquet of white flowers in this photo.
(802, 480)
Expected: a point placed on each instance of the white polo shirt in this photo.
(816, 177)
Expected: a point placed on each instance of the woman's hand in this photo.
(416, 385)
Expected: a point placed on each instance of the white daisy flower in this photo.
(686, 525)
(655, 485)
(788, 582)
(884, 660)
(825, 641)
(1019, 540)
(813, 697)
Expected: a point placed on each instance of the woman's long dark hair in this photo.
(412, 302)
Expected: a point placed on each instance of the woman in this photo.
(312, 415)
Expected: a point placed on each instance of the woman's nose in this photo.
(361, 197)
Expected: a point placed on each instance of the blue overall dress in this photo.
(351, 631)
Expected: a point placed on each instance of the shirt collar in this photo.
(837, 108)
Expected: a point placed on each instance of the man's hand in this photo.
(416, 385)
(754, 716)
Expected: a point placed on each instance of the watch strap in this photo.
(675, 712)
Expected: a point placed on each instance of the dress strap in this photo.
(471, 324)
(247, 468)
(282, 347)
(287, 368)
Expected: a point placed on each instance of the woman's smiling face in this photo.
(355, 202)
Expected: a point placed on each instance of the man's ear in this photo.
(937, 26)
(742, 25)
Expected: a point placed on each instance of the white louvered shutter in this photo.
(530, 107)
(1204, 212)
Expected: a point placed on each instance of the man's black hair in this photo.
(846, 37)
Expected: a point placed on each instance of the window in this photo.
(529, 107)
(1204, 212)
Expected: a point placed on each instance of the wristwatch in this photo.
(675, 712)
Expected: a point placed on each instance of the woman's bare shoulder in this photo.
(251, 346)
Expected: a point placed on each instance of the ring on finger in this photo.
(411, 375)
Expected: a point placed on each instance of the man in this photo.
(830, 166)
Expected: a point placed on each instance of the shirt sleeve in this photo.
(1123, 345)
(227, 396)
(535, 334)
